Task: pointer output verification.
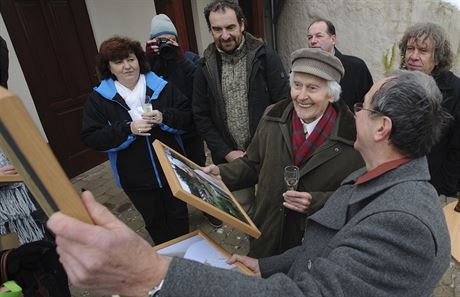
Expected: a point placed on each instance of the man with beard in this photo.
(237, 78)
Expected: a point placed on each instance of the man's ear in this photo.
(242, 25)
(384, 128)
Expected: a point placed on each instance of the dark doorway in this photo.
(54, 42)
(254, 12)
(180, 13)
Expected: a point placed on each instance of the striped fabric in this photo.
(303, 146)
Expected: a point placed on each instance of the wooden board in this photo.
(34, 161)
(10, 178)
(189, 183)
(214, 244)
(453, 224)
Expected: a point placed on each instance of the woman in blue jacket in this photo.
(115, 120)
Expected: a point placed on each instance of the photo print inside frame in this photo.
(197, 246)
(191, 184)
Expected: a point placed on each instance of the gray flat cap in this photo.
(317, 62)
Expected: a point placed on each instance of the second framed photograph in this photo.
(197, 246)
(191, 184)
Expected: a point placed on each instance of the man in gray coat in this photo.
(382, 233)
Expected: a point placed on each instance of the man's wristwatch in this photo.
(155, 292)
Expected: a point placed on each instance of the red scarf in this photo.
(303, 147)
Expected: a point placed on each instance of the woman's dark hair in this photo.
(119, 48)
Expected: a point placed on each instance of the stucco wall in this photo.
(126, 18)
(365, 28)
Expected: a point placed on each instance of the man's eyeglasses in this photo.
(358, 106)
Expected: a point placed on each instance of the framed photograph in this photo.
(37, 166)
(197, 246)
(14, 178)
(452, 214)
(191, 184)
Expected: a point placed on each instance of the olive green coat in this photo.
(267, 155)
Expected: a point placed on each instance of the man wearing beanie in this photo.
(382, 233)
(167, 59)
(238, 77)
(312, 130)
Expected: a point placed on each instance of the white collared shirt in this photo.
(308, 128)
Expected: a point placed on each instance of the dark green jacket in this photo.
(267, 155)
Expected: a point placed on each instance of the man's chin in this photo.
(228, 50)
(413, 68)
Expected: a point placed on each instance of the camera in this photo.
(166, 50)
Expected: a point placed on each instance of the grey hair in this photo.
(442, 52)
(412, 100)
(333, 88)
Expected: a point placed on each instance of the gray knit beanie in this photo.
(317, 62)
(161, 24)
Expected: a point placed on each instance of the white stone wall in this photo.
(120, 17)
(365, 28)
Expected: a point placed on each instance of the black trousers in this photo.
(194, 149)
(165, 216)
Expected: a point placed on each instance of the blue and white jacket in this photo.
(106, 127)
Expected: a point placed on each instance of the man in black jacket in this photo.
(237, 78)
(426, 48)
(357, 79)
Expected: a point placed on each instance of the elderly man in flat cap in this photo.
(312, 130)
(382, 233)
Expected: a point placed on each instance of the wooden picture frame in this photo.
(189, 183)
(14, 178)
(452, 215)
(197, 246)
(35, 162)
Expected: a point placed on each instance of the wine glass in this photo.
(291, 177)
(146, 105)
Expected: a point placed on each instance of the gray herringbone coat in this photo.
(387, 237)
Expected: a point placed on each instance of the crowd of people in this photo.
(373, 158)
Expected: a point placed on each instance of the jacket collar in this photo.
(334, 213)
(252, 43)
(416, 170)
(445, 81)
(153, 82)
(338, 54)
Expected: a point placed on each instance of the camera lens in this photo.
(167, 51)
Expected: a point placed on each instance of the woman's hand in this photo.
(297, 201)
(8, 170)
(154, 117)
(141, 127)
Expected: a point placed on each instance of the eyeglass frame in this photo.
(358, 106)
